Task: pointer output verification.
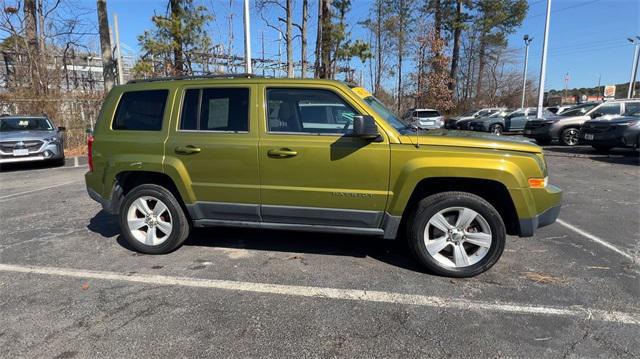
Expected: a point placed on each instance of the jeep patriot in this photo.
(309, 155)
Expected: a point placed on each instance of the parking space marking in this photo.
(597, 240)
(335, 293)
(3, 198)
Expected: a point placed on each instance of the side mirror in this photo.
(364, 126)
(62, 128)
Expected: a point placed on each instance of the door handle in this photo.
(282, 152)
(187, 150)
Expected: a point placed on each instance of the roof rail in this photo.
(194, 77)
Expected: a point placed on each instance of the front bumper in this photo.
(539, 131)
(529, 226)
(48, 151)
(611, 138)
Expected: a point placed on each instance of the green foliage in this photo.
(175, 41)
(497, 18)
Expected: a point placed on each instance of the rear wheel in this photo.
(569, 136)
(152, 220)
(496, 129)
(456, 234)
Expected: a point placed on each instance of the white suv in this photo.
(425, 118)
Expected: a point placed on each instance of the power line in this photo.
(566, 8)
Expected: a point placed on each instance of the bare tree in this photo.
(286, 7)
(108, 72)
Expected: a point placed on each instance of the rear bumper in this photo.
(529, 226)
(605, 139)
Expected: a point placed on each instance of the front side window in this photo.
(25, 124)
(140, 111)
(632, 109)
(607, 109)
(215, 109)
(308, 111)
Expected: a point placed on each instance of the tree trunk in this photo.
(105, 44)
(178, 56)
(325, 51)
(41, 36)
(378, 48)
(455, 56)
(437, 18)
(303, 50)
(289, 39)
(481, 62)
(316, 64)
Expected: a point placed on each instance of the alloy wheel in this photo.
(149, 221)
(496, 130)
(457, 237)
(570, 137)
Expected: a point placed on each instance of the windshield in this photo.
(385, 113)
(578, 110)
(25, 124)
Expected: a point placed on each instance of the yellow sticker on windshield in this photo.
(360, 91)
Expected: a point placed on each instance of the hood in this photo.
(470, 139)
(26, 135)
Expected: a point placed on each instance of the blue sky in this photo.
(587, 38)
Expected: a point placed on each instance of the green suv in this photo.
(310, 155)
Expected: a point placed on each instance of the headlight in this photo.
(52, 139)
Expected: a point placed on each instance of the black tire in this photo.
(602, 148)
(180, 223)
(569, 136)
(430, 206)
(496, 129)
(59, 162)
(543, 142)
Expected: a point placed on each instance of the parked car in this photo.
(493, 123)
(237, 151)
(623, 131)
(424, 118)
(556, 110)
(452, 123)
(566, 126)
(30, 138)
(512, 122)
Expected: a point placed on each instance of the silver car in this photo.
(425, 118)
(30, 138)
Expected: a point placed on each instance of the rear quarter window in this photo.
(140, 111)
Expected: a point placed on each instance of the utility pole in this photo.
(527, 41)
(566, 87)
(599, 78)
(247, 39)
(119, 49)
(263, 61)
(543, 66)
(279, 52)
(634, 67)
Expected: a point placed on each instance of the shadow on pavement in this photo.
(26, 166)
(391, 252)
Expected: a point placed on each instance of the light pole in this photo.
(247, 39)
(543, 67)
(634, 67)
(527, 41)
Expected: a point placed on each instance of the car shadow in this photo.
(395, 253)
(26, 166)
(623, 156)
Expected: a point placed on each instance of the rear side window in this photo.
(140, 111)
(215, 109)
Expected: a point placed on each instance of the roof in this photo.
(423, 109)
(252, 78)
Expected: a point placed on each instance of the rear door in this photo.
(213, 146)
(312, 171)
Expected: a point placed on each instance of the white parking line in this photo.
(35, 190)
(596, 239)
(335, 293)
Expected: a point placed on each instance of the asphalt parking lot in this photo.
(69, 286)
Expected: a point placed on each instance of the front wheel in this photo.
(496, 129)
(569, 136)
(456, 234)
(152, 220)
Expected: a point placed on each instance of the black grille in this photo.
(31, 145)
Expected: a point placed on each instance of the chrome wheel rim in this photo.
(496, 130)
(149, 221)
(571, 137)
(457, 237)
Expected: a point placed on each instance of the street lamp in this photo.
(634, 67)
(527, 41)
(543, 66)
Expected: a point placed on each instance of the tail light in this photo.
(90, 152)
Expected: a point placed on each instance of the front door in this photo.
(312, 171)
(215, 144)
